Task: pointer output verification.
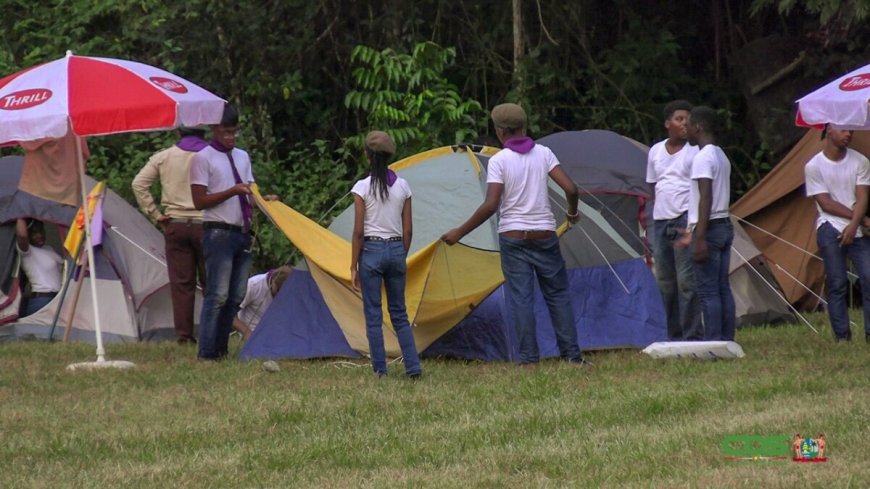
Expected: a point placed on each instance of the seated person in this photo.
(42, 265)
(261, 290)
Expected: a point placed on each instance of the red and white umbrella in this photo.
(844, 102)
(98, 96)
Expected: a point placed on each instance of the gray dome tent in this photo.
(130, 269)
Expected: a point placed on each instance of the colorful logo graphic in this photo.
(168, 84)
(775, 447)
(857, 82)
(755, 447)
(809, 449)
(24, 99)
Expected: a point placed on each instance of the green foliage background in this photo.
(310, 78)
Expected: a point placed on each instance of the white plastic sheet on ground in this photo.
(694, 349)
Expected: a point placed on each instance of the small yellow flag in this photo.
(76, 233)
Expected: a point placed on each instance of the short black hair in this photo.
(674, 106)
(231, 115)
(191, 131)
(36, 226)
(705, 117)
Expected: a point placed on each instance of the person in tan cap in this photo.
(517, 189)
(382, 230)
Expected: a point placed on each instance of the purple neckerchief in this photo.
(522, 144)
(247, 211)
(192, 143)
(391, 177)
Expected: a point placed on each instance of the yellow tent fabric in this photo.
(436, 296)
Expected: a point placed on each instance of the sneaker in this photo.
(583, 363)
(415, 375)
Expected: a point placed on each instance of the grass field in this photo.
(630, 422)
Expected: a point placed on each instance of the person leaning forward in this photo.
(180, 221)
(529, 247)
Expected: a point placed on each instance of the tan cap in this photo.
(380, 142)
(509, 116)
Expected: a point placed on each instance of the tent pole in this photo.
(101, 352)
(75, 303)
(63, 292)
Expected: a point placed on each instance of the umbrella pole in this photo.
(101, 352)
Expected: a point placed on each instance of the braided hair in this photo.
(379, 162)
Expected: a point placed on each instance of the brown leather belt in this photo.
(529, 234)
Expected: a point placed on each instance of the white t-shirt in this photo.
(383, 218)
(257, 299)
(42, 267)
(837, 179)
(711, 162)
(525, 205)
(672, 174)
(212, 168)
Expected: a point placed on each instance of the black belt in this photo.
(719, 220)
(539, 234)
(378, 238)
(183, 220)
(221, 225)
(42, 294)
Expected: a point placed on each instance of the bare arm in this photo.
(563, 180)
(485, 211)
(21, 236)
(705, 203)
(831, 206)
(359, 213)
(407, 225)
(856, 215)
(203, 200)
(242, 328)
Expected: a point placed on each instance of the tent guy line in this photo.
(586, 191)
(817, 296)
(851, 274)
(775, 291)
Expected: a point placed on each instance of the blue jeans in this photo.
(836, 280)
(34, 304)
(521, 261)
(383, 262)
(227, 262)
(675, 274)
(714, 289)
